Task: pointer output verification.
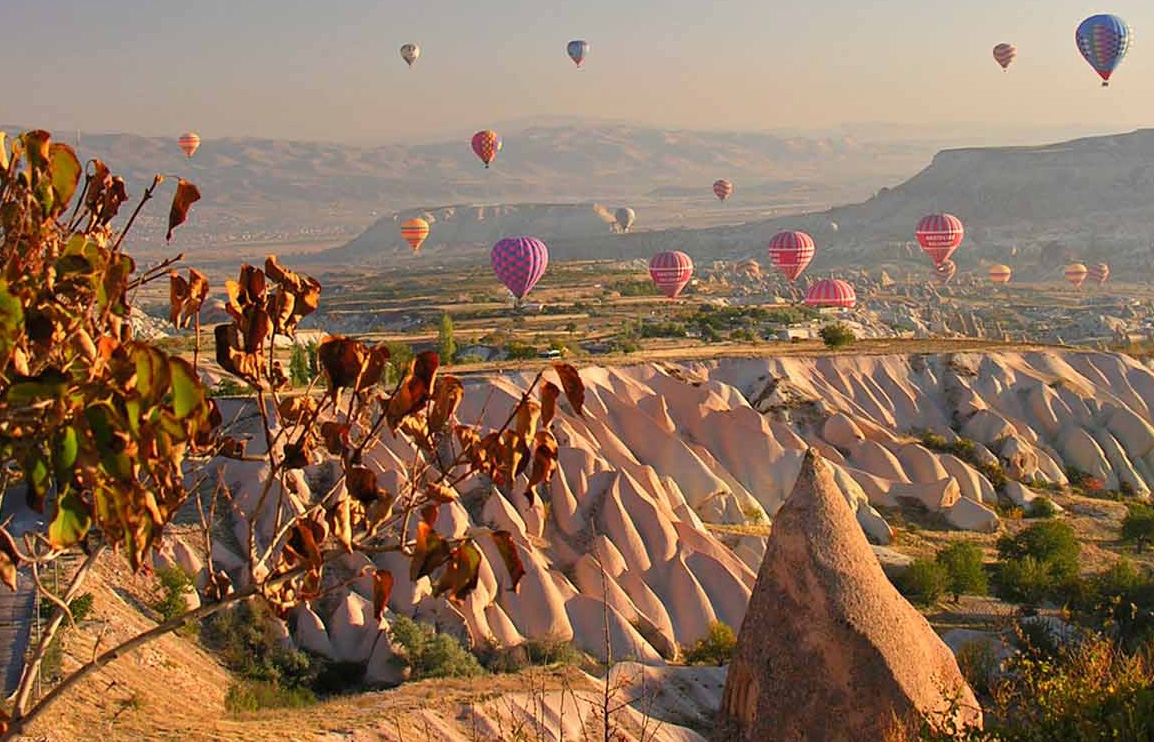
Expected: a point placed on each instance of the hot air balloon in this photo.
(410, 53)
(939, 235)
(415, 231)
(625, 217)
(1004, 54)
(1098, 273)
(487, 143)
(1076, 274)
(671, 272)
(1103, 41)
(831, 292)
(578, 50)
(519, 263)
(945, 272)
(189, 142)
(1000, 273)
(790, 253)
(723, 189)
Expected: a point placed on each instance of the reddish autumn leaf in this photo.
(9, 559)
(528, 413)
(342, 359)
(293, 410)
(336, 437)
(416, 389)
(440, 492)
(340, 520)
(298, 454)
(374, 367)
(302, 294)
(198, 290)
(382, 589)
(429, 552)
(429, 514)
(573, 386)
(544, 461)
(178, 293)
(447, 395)
(231, 448)
(460, 577)
(361, 483)
(305, 544)
(509, 554)
(186, 195)
(549, 394)
(282, 311)
(232, 356)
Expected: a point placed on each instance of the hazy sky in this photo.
(330, 69)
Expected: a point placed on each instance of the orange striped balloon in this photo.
(1098, 273)
(1000, 273)
(1076, 274)
(415, 231)
(1004, 54)
(189, 142)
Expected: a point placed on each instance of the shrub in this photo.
(715, 648)
(175, 586)
(253, 695)
(1043, 508)
(979, 663)
(965, 573)
(1051, 543)
(1138, 526)
(81, 607)
(248, 643)
(1026, 580)
(923, 582)
(533, 652)
(433, 655)
(837, 335)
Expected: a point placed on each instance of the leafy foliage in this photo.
(924, 581)
(965, 573)
(715, 648)
(1052, 543)
(1138, 526)
(837, 335)
(446, 342)
(431, 654)
(175, 587)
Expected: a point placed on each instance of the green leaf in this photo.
(29, 390)
(65, 450)
(37, 478)
(460, 577)
(71, 522)
(110, 443)
(188, 395)
(65, 169)
(11, 319)
(153, 379)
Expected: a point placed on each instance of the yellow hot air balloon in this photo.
(415, 231)
(1076, 274)
(1000, 273)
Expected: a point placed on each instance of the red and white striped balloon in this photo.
(1004, 54)
(1098, 273)
(790, 253)
(189, 142)
(939, 235)
(671, 272)
(723, 189)
(1076, 274)
(831, 292)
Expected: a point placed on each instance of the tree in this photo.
(446, 344)
(965, 573)
(923, 582)
(299, 373)
(1138, 526)
(104, 431)
(837, 335)
(1052, 543)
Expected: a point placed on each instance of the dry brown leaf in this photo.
(549, 394)
(382, 589)
(573, 386)
(186, 195)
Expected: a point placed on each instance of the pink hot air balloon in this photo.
(486, 145)
(671, 272)
(1098, 274)
(1004, 54)
(519, 263)
(831, 292)
(790, 253)
(723, 189)
(189, 142)
(939, 235)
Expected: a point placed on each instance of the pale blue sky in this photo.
(330, 69)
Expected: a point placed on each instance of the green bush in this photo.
(1138, 526)
(1042, 508)
(248, 643)
(531, 653)
(81, 608)
(715, 648)
(175, 586)
(433, 655)
(923, 582)
(837, 335)
(1026, 580)
(1051, 543)
(965, 573)
(253, 695)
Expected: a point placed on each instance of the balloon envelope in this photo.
(415, 231)
(486, 145)
(671, 272)
(1076, 274)
(1098, 273)
(578, 50)
(831, 292)
(1103, 41)
(1004, 54)
(189, 142)
(519, 263)
(410, 52)
(939, 235)
(1000, 273)
(625, 217)
(790, 253)
(723, 189)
